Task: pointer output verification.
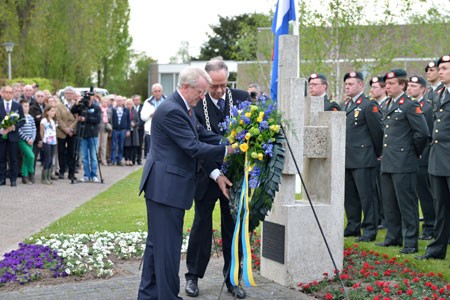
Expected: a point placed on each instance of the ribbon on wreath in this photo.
(243, 221)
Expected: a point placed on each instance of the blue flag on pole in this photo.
(284, 13)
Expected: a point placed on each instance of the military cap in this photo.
(353, 74)
(443, 59)
(395, 73)
(418, 79)
(376, 79)
(431, 64)
(317, 75)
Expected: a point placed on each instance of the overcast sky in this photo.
(159, 26)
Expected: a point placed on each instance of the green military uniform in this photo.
(364, 135)
(330, 105)
(405, 137)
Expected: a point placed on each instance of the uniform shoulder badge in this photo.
(418, 110)
(375, 109)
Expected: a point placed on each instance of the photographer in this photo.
(88, 115)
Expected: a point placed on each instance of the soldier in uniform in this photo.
(432, 75)
(439, 165)
(416, 89)
(377, 92)
(405, 137)
(318, 86)
(364, 136)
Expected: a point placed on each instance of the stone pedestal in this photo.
(293, 249)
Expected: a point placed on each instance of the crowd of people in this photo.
(72, 134)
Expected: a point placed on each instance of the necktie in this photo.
(221, 104)
(7, 107)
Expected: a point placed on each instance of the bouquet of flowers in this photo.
(253, 129)
(9, 120)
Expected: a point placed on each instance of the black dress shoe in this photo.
(348, 234)
(387, 244)
(2, 181)
(237, 291)
(408, 250)
(191, 288)
(425, 237)
(13, 183)
(364, 239)
(429, 256)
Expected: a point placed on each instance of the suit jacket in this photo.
(125, 122)
(215, 117)
(178, 142)
(439, 164)
(13, 136)
(330, 105)
(364, 133)
(405, 136)
(37, 112)
(65, 120)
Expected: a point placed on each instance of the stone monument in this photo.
(293, 249)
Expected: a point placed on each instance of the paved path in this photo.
(27, 209)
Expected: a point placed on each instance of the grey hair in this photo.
(69, 88)
(216, 64)
(256, 86)
(191, 75)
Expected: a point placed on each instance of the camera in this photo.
(86, 97)
(253, 95)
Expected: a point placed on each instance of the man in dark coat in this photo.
(9, 137)
(364, 135)
(210, 112)
(318, 86)
(405, 136)
(416, 89)
(168, 179)
(439, 165)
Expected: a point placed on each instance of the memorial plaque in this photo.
(273, 245)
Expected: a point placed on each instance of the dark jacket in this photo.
(125, 122)
(36, 112)
(13, 136)
(93, 116)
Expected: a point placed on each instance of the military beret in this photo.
(358, 75)
(376, 79)
(418, 79)
(431, 64)
(317, 75)
(443, 59)
(395, 73)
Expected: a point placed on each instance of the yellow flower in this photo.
(260, 156)
(259, 119)
(275, 128)
(261, 114)
(233, 133)
(231, 139)
(235, 145)
(254, 155)
(241, 122)
(243, 147)
(248, 115)
(248, 136)
(253, 108)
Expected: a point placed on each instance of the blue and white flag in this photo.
(284, 13)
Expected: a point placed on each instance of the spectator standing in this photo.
(48, 134)
(138, 108)
(17, 92)
(9, 146)
(148, 109)
(104, 130)
(121, 129)
(27, 136)
(36, 110)
(132, 140)
(88, 116)
(318, 86)
(28, 94)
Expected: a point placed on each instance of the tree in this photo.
(235, 38)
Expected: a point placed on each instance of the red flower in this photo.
(328, 296)
(387, 290)
(409, 292)
(369, 288)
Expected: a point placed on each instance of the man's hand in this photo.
(230, 150)
(223, 182)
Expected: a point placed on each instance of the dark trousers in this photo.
(440, 186)
(139, 148)
(38, 153)
(129, 153)
(359, 198)
(49, 153)
(426, 201)
(148, 141)
(162, 254)
(377, 194)
(11, 150)
(200, 238)
(66, 155)
(401, 209)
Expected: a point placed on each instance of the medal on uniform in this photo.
(357, 110)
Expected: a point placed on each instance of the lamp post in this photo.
(9, 48)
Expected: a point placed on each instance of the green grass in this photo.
(120, 209)
(117, 209)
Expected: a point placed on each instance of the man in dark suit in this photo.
(318, 86)
(416, 88)
(168, 180)
(210, 112)
(405, 137)
(140, 126)
(121, 125)
(9, 146)
(439, 165)
(364, 135)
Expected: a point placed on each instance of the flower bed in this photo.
(371, 275)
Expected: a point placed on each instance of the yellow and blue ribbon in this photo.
(244, 200)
